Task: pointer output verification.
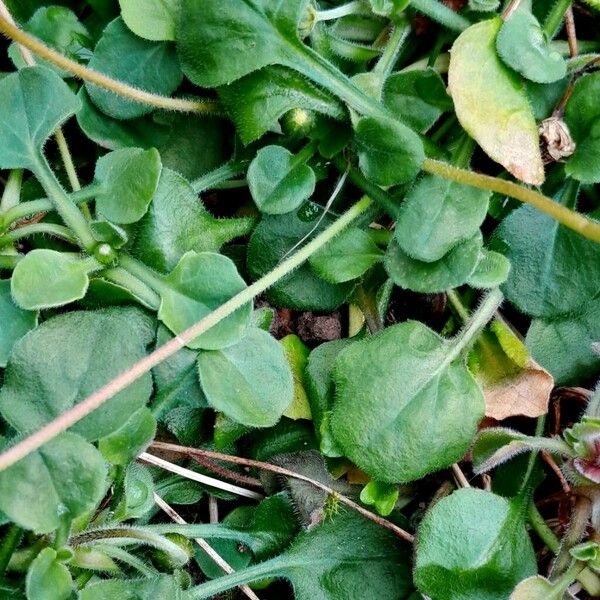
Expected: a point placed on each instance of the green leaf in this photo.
(59, 28)
(48, 578)
(296, 353)
(251, 381)
(472, 545)
(436, 215)
(270, 93)
(345, 557)
(67, 358)
(415, 413)
(452, 270)
(14, 321)
(63, 479)
(138, 493)
(582, 115)
(491, 103)
(233, 44)
(123, 445)
(129, 178)
(522, 45)
(163, 586)
(484, 5)
(46, 278)
(492, 270)
(150, 66)
(199, 284)
(278, 182)
(33, 103)
(418, 98)
(272, 239)
(538, 588)
(178, 222)
(568, 346)
(546, 279)
(346, 257)
(382, 495)
(151, 19)
(388, 151)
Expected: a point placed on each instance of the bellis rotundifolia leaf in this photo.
(405, 405)
(346, 257)
(436, 215)
(450, 271)
(279, 182)
(129, 178)
(296, 353)
(250, 382)
(388, 152)
(46, 278)
(151, 19)
(491, 271)
(472, 545)
(120, 54)
(161, 586)
(522, 45)
(67, 358)
(48, 578)
(199, 284)
(14, 321)
(491, 103)
(33, 103)
(63, 479)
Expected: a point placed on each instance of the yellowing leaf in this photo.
(491, 103)
(297, 356)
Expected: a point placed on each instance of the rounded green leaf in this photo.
(129, 178)
(151, 19)
(346, 257)
(250, 382)
(68, 357)
(415, 413)
(436, 215)
(46, 278)
(522, 45)
(388, 151)
(150, 66)
(302, 289)
(546, 278)
(472, 545)
(48, 578)
(452, 270)
(199, 284)
(14, 321)
(33, 103)
(492, 270)
(491, 103)
(63, 479)
(279, 184)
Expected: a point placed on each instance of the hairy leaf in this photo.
(48, 578)
(491, 103)
(151, 19)
(14, 321)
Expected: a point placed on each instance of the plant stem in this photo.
(12, 539)
(143, 273)
(118, 87)
(58, 231)
(26, 209)
(574, 220)
(540, 526)
(215, 177)
(387, 61)
(555, 17)
(67, 159)
(126, 558)
(144, 294)
(10, 261)
(356, 7)
(69, 212)
(98, 398)
(442, 14)
(12, 191)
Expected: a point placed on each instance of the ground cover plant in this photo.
(299, 299)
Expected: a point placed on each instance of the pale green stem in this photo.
(58, 231)
(12, 538)
(352, 8)
(155, 281)
(119, 383)
(555, 17)
(388, 59)
(67, 159)
(33, 207)
(12, 191)
(127, 558)
(140, 290)
(219, 175)
(442, 14)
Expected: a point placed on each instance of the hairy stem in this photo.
(356, 7)
(12, 191)
(569, 218)
(555, 17)
(12, 538)
(57, 231)
(209, 107)
(442, 14)
(144, 294)
(98, 398)
(213, 178)
(398, 38)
